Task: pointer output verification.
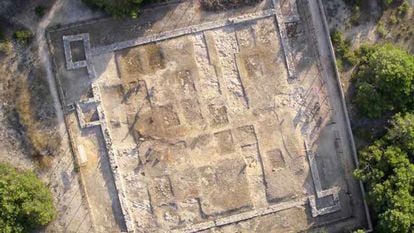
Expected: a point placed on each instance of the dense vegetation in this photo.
(384, 81)
(346, 58)
(387, 168)
(25, 202)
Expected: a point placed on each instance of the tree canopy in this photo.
(25, 202)
(387, 168)
(384, 81)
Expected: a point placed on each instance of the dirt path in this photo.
(72, 208)
(45, 59)
(329, 72)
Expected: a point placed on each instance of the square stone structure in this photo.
(195, 121)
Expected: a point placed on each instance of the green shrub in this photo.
(23, 36)
(349, 57)
(384, 81)
(393, 19)
(381, 30)
(387, 2)
(369, 100)
(40, 10)
(336, 37)
(343, 52)
(25, 202)
(403, 9)
(387, 168)
(359, 231)
(339, 65)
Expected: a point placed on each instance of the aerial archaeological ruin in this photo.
(192, 121)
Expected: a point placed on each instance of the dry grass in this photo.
(43, 140)
(6, 47)
(396, 26)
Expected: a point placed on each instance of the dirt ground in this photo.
(365, 30)
(214, 122)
